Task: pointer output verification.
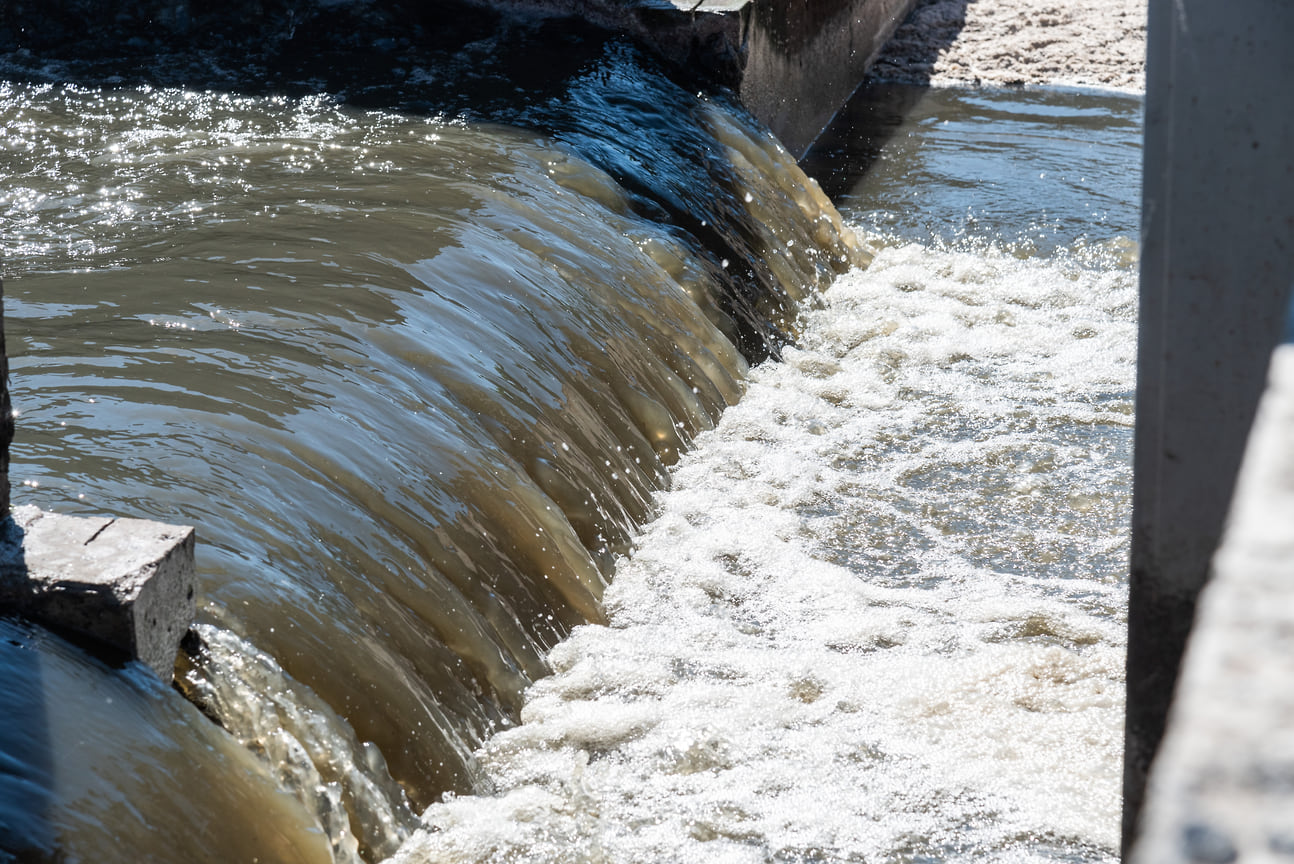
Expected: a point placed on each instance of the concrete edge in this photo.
(126, 584)
(1222, 787)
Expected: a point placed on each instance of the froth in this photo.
(879, 614)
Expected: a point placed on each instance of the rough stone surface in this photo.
(996, 43)
(127, 583)
(1222, 787)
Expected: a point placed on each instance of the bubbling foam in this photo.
(879, 614)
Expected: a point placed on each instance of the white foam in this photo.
(879, 616)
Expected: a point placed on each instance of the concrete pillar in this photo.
(1216, 268)
(1220, 789)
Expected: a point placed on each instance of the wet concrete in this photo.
(128, 584)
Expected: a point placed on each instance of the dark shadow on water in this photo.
(448, 58)
(846, 149)
(26, 760)
(445, 58)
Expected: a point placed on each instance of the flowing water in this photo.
(414, 379)
(880, 615)
(417, 376)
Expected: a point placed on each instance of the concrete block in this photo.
(127, 583)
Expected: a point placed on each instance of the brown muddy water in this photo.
(414, 379)
(417, 377)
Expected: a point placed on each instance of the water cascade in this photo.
(880, 615)
(415, 375)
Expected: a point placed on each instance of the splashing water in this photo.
(880, 614)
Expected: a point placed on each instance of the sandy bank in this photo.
(1084, 43)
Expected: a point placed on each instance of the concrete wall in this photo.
(804, 61)
(793, 62)
(1222, 787)
(1217, 264)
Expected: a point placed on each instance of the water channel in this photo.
(418, 377)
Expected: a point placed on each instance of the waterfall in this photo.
(415, 376)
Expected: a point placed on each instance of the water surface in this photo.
(413, 377)
(880, 616)
(418, 376)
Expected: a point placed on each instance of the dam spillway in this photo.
(287, 312)
(880, 613)
(412, 457)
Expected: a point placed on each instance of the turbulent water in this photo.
(414, 379)
(880, 616)
(417, 379)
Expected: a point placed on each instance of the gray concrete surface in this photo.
(1217, 262)
(126, 583)
(1222, 787)
(804, 61)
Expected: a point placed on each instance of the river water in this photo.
(880, 614)
(417, 378)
